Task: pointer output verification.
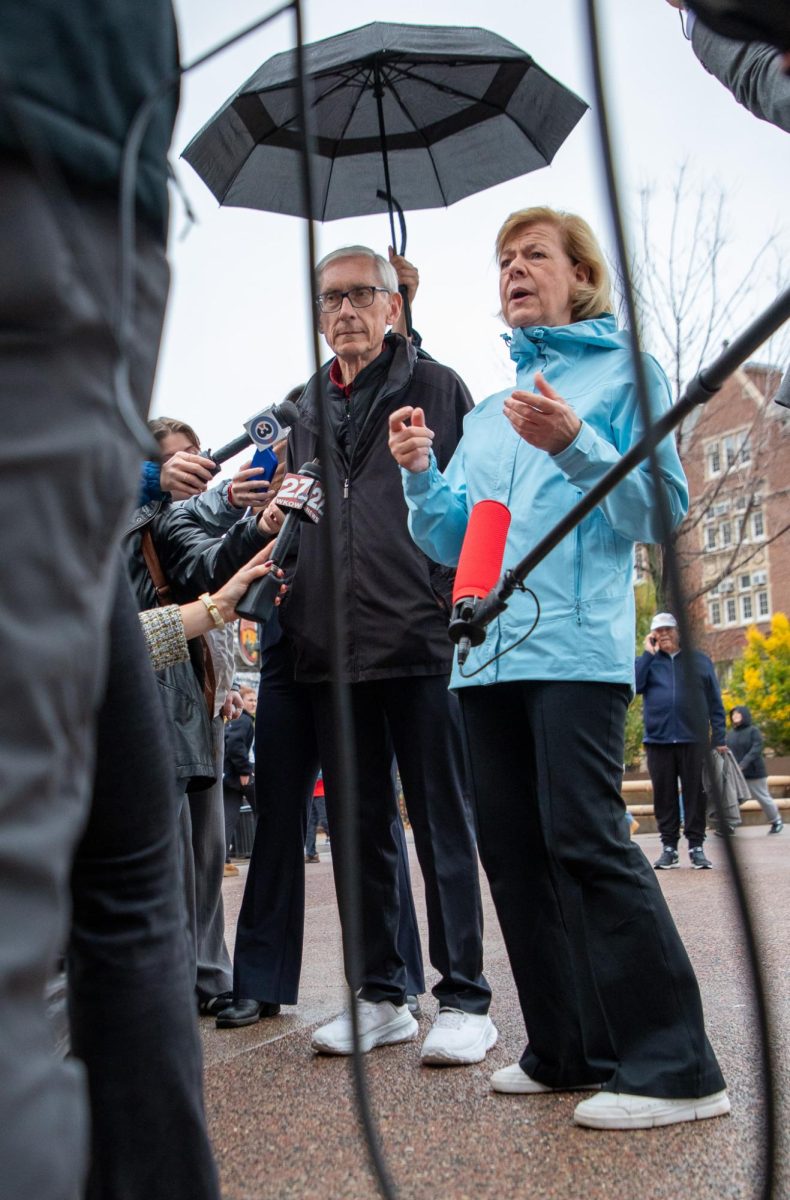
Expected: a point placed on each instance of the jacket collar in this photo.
(570, 341)
(400, 372)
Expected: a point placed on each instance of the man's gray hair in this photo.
(387, 274)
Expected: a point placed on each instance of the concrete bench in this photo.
(637, 794)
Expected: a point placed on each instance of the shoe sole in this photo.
(402, 1029)
(713, 1106)
(516, 1088)
(475, 1054)
(665, 866)
(223, 1022)
(702, 866)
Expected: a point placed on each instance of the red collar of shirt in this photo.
(336, 377)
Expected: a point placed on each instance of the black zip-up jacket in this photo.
(396, 599)
(192, 563)
(746, 743)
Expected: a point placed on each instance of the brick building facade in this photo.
(735, 543)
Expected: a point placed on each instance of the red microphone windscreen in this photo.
(480, 564)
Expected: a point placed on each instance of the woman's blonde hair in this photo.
(581, 245)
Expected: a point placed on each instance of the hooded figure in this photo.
(746, 743)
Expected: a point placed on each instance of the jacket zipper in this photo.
(578, 571)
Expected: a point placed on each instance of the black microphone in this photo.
(301, 497)
(263, 429)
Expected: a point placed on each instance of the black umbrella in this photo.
(425, 113)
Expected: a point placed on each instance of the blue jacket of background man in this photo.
(660, 679)
(586, 584)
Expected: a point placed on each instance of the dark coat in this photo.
(660, 679)
(396, 599)
(77, 73)
(746, 743)
(239, 735)
(192, 563)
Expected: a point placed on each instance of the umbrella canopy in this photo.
(426, 114)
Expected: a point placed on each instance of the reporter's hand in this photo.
(250, 489)
(410, 445)
(229, 595)
(233, 706)
(185, 474)
(271, 519)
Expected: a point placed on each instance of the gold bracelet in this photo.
(214, 612)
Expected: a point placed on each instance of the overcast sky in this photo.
(236, 332)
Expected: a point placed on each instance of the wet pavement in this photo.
(284, 1121)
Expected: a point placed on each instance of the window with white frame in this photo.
(715, 612)
(746, 608)
(762, 604)
(732, 612)
(710, 537)
(714, 458)
(725, 533)
(744, 582)
(758, 525)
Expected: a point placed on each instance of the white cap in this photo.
(663, 621)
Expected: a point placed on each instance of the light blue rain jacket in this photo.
(585, 585)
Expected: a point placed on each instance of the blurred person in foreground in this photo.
(608, 994)
(396, 661)
(87, 797)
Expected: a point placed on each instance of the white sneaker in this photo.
(515, 1081)
(380, 1024)
(619, 1110)
(458, 1038)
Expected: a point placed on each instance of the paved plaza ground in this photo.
(284, 1122)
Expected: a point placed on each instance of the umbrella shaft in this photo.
(379, 93)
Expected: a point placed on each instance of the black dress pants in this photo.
(606, 987)
(267, 961)
(417, 718)
(666, 764)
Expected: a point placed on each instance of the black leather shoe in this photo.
(211, 1006)
(245, 1012)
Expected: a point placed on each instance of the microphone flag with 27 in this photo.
(301, 498)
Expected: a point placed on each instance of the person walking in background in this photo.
(673, 747)
(746, 743)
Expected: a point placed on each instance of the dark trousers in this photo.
(232, 800)
(131, 982)
(666, 764)
(418, 719)
(267, 961)
(606, 987)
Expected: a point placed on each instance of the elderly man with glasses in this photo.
(397, 659)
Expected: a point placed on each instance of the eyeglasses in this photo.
(359, 297)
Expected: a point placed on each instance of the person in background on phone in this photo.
(673, 748)
(746, 743)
